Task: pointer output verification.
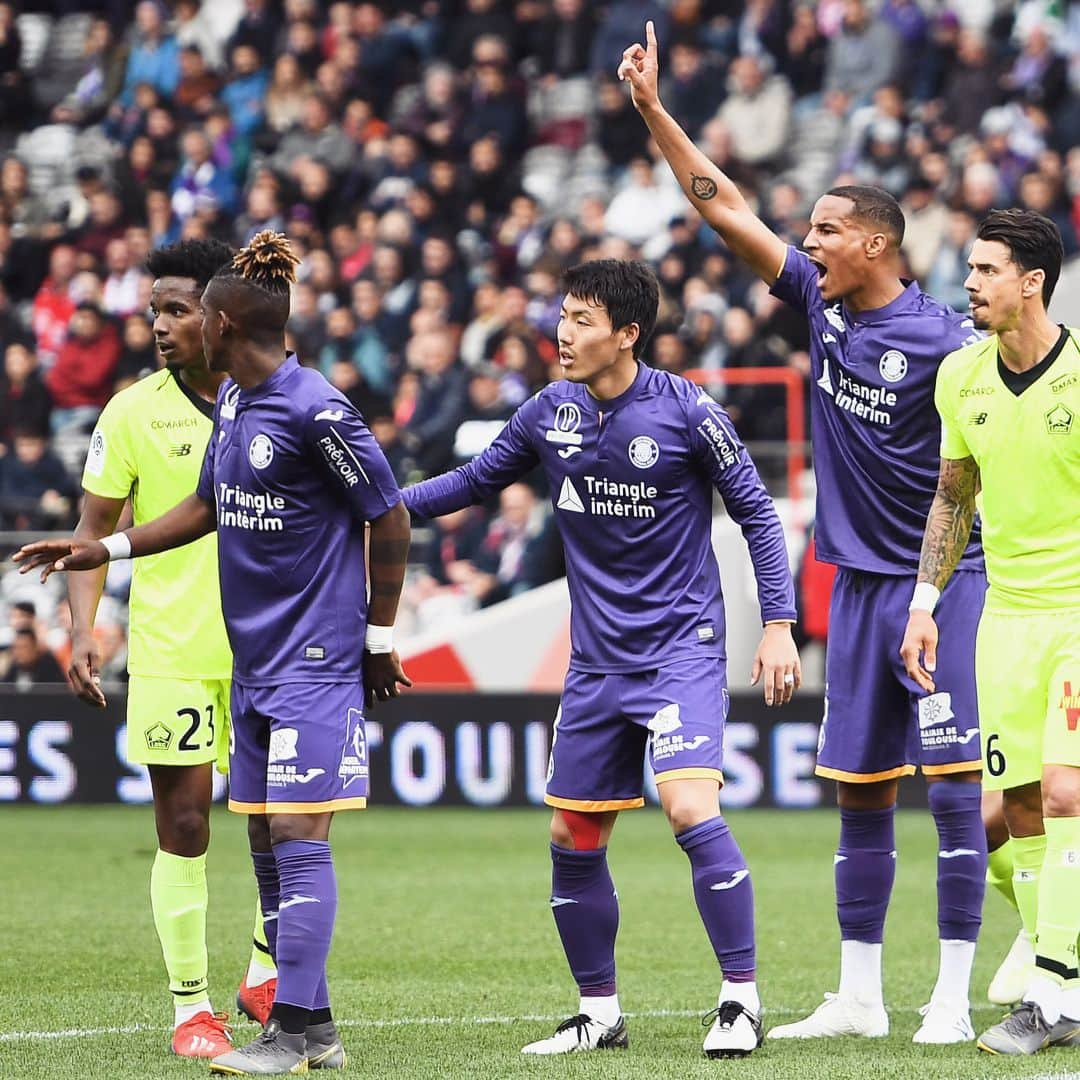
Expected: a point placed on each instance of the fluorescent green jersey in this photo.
(149, 442)
(1027, 446)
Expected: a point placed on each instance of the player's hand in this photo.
(920, 644)
(641, 69)
(776, 664)
(82, 672)
(383, 674)
(57, 555)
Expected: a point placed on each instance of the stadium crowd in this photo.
(438, 164)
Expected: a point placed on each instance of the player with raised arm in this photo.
(291, 476)
(1010, 423)
(148, 446)
(875, 346)
(632, 456)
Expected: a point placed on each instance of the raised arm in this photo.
(948, 529)
(184, 523)
(713, 193)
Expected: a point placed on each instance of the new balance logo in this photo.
(180, 450)
(333, 415)
(978, 419)
(300, 899)
(569, 499)
(734, 880)
(956, 853)
(561, 901)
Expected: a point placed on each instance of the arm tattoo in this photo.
(948, 525)
(702, 187)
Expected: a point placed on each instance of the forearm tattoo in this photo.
(387, 559)
(948, 526)
(702, 187)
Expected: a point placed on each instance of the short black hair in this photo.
(1034, 243)
(875, 206)
(196, 259)
(625, 288)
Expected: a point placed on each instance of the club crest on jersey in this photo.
(644, 453)
(564, 429)
(261, 451)
(893, 365)
(1059, 420)
(159, 737)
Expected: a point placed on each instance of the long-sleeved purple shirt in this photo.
(631, 482)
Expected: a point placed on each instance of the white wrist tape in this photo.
(379, 639)
(118, 546)
(925, 597)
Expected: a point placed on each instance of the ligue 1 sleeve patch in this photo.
(95, 457)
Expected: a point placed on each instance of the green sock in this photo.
(260, 950)
(1028, 854)
(178, 897)
(1059, 887)
(999, 871)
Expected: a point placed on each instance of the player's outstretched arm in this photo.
(948, 529)
(713, 194)
(99, 518)
(184, 523)
(388, 552)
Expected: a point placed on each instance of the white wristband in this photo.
(118, 546)
(379, 639)
(925, 597)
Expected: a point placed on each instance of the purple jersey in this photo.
(631, 482)
(294, 474)
(876, 432)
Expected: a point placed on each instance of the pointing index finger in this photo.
(650, 38)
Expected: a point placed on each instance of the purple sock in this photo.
(865, 870)
(269, 894)
(961, 878)
(724, 894)
(586, 912)
(305, 918)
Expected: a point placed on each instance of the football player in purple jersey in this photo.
(876, 342)
(633, 456)
(291, 480)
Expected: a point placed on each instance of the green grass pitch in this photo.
(446, 961)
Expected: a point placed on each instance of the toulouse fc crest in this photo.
(893, 365)
(261, 451)
(644, 453)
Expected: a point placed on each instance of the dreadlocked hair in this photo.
(268, 262)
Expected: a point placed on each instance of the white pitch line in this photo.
(434, 1021)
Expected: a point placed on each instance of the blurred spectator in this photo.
(286, 93)
(757, 112)
(620, 133)
(24, 401)
(139, 356)
(622, 25)
(31, 662)
(13, 90)
(193, 29)
(481, 18)
(361, 348)
(440, 401)
(972, 82)
(949, 271)
(258, 27)
(805, 47)
(562, 38)
(863, 55)
(926, 219)
(1038, 74)
(53, 304)
(246, 92)
(643, 207)
(496, 106)
(36, 491)
(24, 210)
(121, 293)
(201, 185)
(693, 87)
(155, 56)
(198, 84)
(315, 138)
(81, 380)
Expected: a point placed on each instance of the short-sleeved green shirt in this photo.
(149, 443)
(1027, 447)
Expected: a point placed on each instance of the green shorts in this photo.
(178, 721)
(1027, 669)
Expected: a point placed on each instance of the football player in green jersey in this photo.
(1010, 418)
(148, 447)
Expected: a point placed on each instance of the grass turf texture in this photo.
(444, 932)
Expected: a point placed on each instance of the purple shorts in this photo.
(298, 748)
(878, 723)
(606, 723)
